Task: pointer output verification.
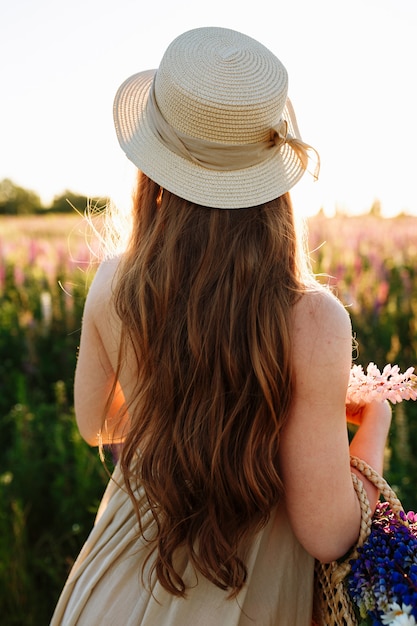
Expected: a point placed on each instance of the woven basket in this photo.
(332, 604)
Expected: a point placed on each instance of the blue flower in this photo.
(384, 574)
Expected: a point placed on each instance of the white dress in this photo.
(104, 587)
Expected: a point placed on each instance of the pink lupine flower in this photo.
(390, 384)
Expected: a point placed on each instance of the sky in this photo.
(352, 81)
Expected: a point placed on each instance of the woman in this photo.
(213, 357)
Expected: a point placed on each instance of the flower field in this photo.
(50, 480)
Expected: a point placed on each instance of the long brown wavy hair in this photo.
(205, 298)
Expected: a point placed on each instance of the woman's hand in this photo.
(369, 441)
(354, 412)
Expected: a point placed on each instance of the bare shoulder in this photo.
(101, 325)
(322, 340)
(321, 309)
(320, 318)
(102, 286)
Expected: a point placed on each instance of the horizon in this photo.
(46, 208)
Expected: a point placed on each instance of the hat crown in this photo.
(213, 125)
(222, 86)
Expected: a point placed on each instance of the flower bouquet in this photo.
(383, 579)
(377, 584)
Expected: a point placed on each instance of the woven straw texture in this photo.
(332, 604)
(222, 86)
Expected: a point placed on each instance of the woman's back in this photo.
(203, 356)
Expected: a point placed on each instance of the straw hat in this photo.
(213, 124)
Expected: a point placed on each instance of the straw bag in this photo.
(332, 603)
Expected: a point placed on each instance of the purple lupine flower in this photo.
(383, 578)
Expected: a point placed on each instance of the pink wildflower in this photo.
(390, 384)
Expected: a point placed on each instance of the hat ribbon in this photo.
(224, 157)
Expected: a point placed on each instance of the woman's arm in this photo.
(95, 371)
(321, 501)
(374, 421)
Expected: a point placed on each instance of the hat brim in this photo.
(235, 189)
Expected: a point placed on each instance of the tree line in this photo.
(16, 200)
